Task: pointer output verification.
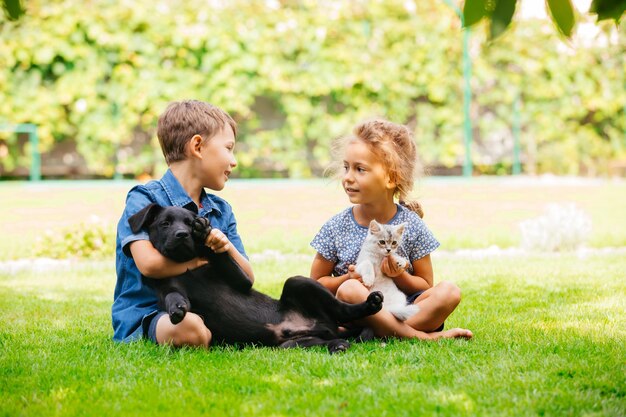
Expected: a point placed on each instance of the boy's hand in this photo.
(391, 268)
(217, 241)
(196, 263)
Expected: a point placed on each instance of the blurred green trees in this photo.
(295, 75)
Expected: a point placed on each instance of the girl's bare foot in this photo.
(453, 334)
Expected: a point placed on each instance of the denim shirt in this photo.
(134, 303)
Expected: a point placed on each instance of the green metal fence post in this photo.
(467, 100)
(117, 175)
(517, 130)
(468, 167)
(33, 139)
(35, 162)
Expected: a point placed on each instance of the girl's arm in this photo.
(322, 269)
(152, 264)
(409, 284)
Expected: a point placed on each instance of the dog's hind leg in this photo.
(312, 298)
(334, 345)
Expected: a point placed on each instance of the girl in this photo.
(379, 163)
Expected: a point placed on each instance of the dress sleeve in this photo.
(324, 243)
(423, 243)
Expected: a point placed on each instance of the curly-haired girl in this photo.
(378, 164)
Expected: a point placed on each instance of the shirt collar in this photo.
(179, 197)
(208, 204)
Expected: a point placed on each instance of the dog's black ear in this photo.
(144, 217)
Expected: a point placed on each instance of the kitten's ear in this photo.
(375, 226)
(144, 217)
(400, 228)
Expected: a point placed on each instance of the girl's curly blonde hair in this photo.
(394, 146)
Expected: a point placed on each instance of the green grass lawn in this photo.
(549, 340)
(549, 329)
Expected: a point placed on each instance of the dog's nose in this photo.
(181, 234)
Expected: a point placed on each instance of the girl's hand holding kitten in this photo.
(352, 274)
(390, 267)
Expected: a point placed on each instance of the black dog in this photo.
(307, 314)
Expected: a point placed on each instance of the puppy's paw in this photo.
(375, 301)
(200, 229)
(338, 346)
(177, 312)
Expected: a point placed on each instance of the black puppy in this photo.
(307, 314)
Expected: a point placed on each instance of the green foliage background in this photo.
(297, 74)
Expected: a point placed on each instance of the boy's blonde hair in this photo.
(184, 119)
(394, 146)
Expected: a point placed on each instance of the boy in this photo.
(197, 140)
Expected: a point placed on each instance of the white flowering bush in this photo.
(563, 227)
(93, 239)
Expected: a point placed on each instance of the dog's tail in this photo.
(403, 312)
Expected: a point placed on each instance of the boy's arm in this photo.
(219, 243)
(243, 263)
(152, 264)
(228, 240)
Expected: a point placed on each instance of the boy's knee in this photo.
(450, 292)
(192, 332)
(352, 291)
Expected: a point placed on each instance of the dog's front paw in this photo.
(375, 301)
(177, 312)
(338, 346)
(200, 229)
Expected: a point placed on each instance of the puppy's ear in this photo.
(144, 217)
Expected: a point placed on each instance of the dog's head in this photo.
(171, 230)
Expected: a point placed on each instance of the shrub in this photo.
(88, 240)
(563, 227)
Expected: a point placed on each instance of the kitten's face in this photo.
(385, 238)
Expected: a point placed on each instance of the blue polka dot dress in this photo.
(340, 239)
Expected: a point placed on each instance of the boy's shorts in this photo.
(150, 330)
(410, 299)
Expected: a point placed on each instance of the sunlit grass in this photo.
(549, 340)
(549, 329)
(285, 215)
